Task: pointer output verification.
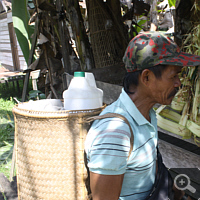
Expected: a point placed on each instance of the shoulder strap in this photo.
(112, 115)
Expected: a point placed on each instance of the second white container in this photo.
(82, 93)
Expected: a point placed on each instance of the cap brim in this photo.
(183, 59)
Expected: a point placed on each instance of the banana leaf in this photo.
(23, 30)
(172, 3)
(6, 152)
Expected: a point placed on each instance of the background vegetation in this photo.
(7, 102)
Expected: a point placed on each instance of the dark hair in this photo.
(131, 78)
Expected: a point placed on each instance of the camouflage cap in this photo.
(152, 48)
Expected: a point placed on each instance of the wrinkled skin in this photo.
(152, 90)
(164, 89)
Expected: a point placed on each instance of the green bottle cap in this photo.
(79, 74)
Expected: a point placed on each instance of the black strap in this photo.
(184, 197)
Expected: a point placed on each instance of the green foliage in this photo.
(172, 3)
(6, 152)
(11, 91)
(23, 31)
(36, 94)
(7, 122)
(138, 27)
(5, 168)
(6, 110)
(6, 135)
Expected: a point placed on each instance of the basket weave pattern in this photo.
(49, 154)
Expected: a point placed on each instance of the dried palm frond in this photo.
(183, 116)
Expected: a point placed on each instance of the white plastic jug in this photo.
(91, 80)
(80, 95)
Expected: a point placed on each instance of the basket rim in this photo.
(56, 114)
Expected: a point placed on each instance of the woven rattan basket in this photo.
(49, 150)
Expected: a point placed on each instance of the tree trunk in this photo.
(115, 9)
(64, 40)
(81, 39)
(183, 23)
(153, 15)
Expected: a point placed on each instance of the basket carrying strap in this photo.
(112, 115)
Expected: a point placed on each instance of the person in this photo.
(153, 63)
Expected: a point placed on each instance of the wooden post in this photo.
(64, 39)
(49, 71)
(18, 89)
(34, 40)
(34, 76)
(13, 43)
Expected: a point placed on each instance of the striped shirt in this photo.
(108, 142)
